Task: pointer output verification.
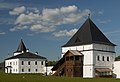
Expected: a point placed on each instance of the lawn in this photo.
(39, 78)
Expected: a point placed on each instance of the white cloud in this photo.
(101, 12)
(64, 33)
(17, 10)
(103, 21)
(48, 20)
(2, 33)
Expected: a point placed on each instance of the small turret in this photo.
(21, 48)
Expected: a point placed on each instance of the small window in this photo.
(67, 58)
(13, 63)
(77, 58)
(10, 63)
(28, 70)
(108, 59)
(22, 62)
(16, 70)
(35, 62)
(71, 58)
(16, 62)
(22, 70)
(36, 70)
(41, 62)
(103, 58)
(28, 62)
(98, 58)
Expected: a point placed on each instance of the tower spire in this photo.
(21, 47)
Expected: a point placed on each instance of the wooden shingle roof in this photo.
(88, 34)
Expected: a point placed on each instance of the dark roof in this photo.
(21, 47)
(88, 34)
(26, 55)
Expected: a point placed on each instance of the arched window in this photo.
(22, 62)
(108, 59)
(28, 62)
(98, 58)
(103, 58)
(35, 62)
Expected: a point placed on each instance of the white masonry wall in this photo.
(87, 51)
(116, 69)
(17, 66)
(90, 52)
(32, 68)
(14, 63)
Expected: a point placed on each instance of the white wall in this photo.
(17, 65)
(14, 63)
(49, 71)
(88, 68)
(106, 63)
(116, 69)
(87, 51)
(90, 52)
(80, 48)
(39, 67)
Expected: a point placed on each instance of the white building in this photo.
(116, 69)
(24, 61)
(98, 51)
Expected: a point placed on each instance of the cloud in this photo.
(101, 12)
(103, 21)
(17, 10)
(47, 20)
(2, 33)
(113, 32)
(64, 33)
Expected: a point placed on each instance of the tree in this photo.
(117, 58)
(51, 63)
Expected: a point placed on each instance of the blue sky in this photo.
(46, 25)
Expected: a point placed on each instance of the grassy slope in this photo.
(38, 78)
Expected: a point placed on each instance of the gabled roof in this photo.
(62, 60)
(75, 52)
(26, 55)
(88, 34)
(21, 47)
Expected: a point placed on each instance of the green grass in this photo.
(39, 78)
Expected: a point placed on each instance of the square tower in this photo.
(98, 51)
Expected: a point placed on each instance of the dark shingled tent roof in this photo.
(21, 47)
(88, 34)
(26, 55)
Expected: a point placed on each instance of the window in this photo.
(67, 58)
(36, 70)
(22, 62)
(16, 62)
(108, 59)
(71, 57)
(103, 58)
(28, 62)
(41, 62)
(10, 63)
(22, 70)
(77, 58)
(35, 62)
(16, 70)
(13, 63)
(98, 58)
(28, 70)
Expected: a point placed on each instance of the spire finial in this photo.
(88, 15)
